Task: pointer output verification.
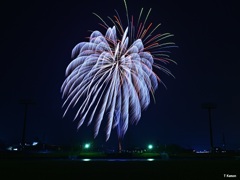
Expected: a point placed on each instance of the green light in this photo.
(150, 146)
(87, 146)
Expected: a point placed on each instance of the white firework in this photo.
(112, 75)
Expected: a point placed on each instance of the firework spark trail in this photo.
(114, 76)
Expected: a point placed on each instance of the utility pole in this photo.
(223, 142)
(26, 103)
(209, 107)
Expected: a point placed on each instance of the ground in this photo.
(125, 168)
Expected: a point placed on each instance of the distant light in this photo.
(15, 149)
(202, 152)
(150, 159)
(10, 148)
(86, 159)
(150, 146)
(87, 146)
(34, 143)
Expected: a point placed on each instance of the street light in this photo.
(209, 107)
(87, 146)
(150, 146)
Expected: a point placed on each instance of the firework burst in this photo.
(112, 76)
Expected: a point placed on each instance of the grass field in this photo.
(158, 169)
(39, 166)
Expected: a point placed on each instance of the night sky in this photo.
(36, 42)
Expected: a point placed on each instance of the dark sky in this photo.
(36, 42)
